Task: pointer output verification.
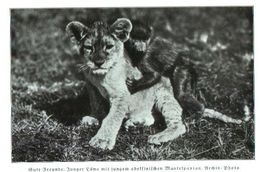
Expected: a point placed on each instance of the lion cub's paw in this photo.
(167, 135)
(137, 121)
(89, 121)
(101, 142)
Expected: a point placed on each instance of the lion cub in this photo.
(107, 67)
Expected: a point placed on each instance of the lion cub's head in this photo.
(99, 45)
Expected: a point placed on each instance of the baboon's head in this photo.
(140, 36)
(100, 45)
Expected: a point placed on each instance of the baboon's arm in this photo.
(148, 80)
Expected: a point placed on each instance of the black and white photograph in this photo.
(132, 84)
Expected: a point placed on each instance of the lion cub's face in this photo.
(99, 45)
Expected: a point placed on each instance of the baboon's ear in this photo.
(76, 31)
(121, 28)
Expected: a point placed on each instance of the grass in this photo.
(49, 96)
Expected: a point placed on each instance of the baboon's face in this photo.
(100, 45)
(140, 37)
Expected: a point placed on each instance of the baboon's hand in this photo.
(131, 85)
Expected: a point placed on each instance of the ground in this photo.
(49, 96)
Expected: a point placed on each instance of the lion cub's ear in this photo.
(121, 28)
(76, 31)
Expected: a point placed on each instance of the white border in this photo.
(5, 103)
(126, 3)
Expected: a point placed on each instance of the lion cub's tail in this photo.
(210, 113)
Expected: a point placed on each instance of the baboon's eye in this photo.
(109, 46)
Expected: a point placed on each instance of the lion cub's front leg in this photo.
(106, 135)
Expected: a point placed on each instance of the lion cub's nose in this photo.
(98, 63)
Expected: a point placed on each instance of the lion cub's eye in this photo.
(110, 46)
(88, 48)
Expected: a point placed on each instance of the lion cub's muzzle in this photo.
(99, 63)
(99, 68)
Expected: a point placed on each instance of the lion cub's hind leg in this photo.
(137, 119)
(172, 113)
(89, 121)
